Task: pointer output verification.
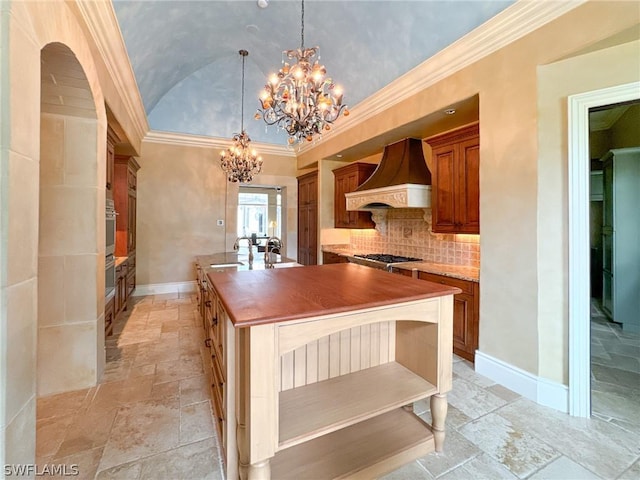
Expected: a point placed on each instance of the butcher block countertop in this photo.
(276, 295)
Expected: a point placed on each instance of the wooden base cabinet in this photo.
(330, 257)
(466, 313)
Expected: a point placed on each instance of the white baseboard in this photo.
(160, 288)
(540, 390)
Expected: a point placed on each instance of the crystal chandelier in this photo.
(240, 162)
(301, 99)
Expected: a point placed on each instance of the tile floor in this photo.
(150, 418)
(615, 372)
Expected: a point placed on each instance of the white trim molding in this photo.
(579, 240)
(102, 23)
(186, 139)
(162, 288)
(513, 23)
(540, 390)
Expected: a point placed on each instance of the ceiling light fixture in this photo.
(301, 99)
(239, 161)
(263, 3)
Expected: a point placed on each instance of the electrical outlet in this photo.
(220, 223)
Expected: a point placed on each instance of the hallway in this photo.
(150, 418)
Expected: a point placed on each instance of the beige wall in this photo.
(523, 154)
(181, 193)
(616, 66)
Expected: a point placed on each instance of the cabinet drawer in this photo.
(464, 285)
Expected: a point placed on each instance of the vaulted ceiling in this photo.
(185, 53)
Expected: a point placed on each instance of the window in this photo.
(253, 216)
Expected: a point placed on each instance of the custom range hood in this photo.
(402, 180)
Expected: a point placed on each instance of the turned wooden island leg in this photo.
(438, 417)
(260, 471)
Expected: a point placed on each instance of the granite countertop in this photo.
(461, 272)
(278, 295)
(234, 261)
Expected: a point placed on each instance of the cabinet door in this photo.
(468, 195)
(131, 224)
(313, 235)
(340, 210)
(111, 153)
(444, 193)
(466, 313)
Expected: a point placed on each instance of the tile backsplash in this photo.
(407, 233)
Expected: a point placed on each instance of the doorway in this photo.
(614, 145)
(70, 339)
(261, 213)
(580, 105)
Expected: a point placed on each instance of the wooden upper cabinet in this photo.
(125, 200)
(455, 198)
(347, 180)
(111, 152)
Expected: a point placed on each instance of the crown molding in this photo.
(185, 139)
(102, 23)
(511, 24)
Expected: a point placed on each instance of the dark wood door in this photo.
(468, 174)
(444, 194)
(347, 180)
(308, 219)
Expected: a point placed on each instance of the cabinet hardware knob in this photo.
(221, 384)
(207, 342)
(208, 303)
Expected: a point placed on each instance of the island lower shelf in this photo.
(324, 407)
(357, 451)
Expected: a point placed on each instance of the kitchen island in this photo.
(315, 369)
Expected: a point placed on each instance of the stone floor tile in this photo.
(615, 376)
(165, 390)
(128, 471)
(410, 471)
(142, 370)
(481, 467)
(86, 461)
(142, 429)
(621, 407)
(632, 473)
(465, 369)
(627, 426)
(457, 450)
(194, 390)
(471, 399)
(455, 418)
(564, 469)
(50, 434)
(503, 392)
(514, 447)
(61, 404)
(87, 431)
(599, 446)
(115, 371)
(194, 461)
(114, 394)
(184, 368)
(165, 296)
(196, 422)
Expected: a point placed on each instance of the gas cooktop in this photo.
(388, 258)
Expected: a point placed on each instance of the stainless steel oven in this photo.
(109, 277)
(110, 230)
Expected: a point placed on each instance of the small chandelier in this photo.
(239, 161)
(300, 99)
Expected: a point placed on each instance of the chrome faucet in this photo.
(236, 246)
(272, 243)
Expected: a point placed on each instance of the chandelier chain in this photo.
(302, 29)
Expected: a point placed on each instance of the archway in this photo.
(70, 351)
